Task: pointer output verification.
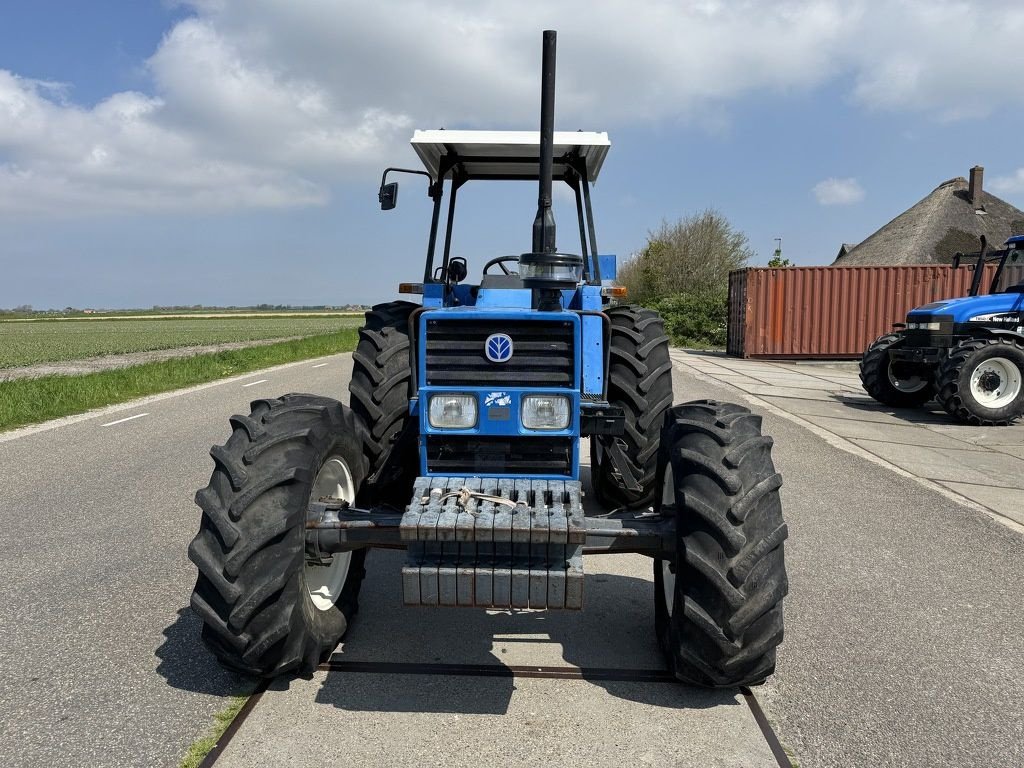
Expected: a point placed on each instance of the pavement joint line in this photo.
(122, 421)
(844, 444)
(236, 724)
(778, 751)
(903, 422)
(65, 421)
(319, 365)
(985, 485)
(903, 442)
(254, 383)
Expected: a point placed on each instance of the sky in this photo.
(228, 152)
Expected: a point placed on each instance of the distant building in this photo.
(844, 249)
(948, 220)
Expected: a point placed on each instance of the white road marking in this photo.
(122, 421)
(320, 365)
(254, 383)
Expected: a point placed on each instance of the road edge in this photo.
(63, 421)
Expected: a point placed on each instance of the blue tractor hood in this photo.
(962, 310)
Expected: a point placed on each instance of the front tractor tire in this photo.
(889, 384)
(640, 381)
(379, 393)
(981, 381)
(718, 601)
(265, 609)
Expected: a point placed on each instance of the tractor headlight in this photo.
(932, 326)
(452, 410)
(545, 412)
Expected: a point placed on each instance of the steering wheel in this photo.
(499, 262)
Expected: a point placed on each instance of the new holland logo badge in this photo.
(498, 348)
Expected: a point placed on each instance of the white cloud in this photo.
(1008, 185)
(838, 192)
(267, 103)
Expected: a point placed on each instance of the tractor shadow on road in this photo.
(615, 631)
(186, 664)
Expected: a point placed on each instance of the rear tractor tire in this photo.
(898, 386)
(981, 381)
(640, 381)
(718, 601)
(379, 393)
(265, 609)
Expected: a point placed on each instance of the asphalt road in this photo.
(904, 620)
(99, 652)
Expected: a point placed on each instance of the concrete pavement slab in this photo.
(832, 394)
(344, 718)
(466, 720)
(800, 382)
(906, 434)
(843, 409)
(1006, 501)
(962, 466)
(1013, 450)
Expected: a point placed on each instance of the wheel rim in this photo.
(325, 582)
(907, 384)
(996, 382)
(668, 576)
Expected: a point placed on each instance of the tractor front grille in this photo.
(464, 456)
(542, 353)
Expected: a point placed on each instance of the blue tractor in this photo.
(967, 354)
(465, 444)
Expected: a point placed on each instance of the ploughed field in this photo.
(52, 341)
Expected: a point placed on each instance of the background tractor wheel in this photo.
(639, 380)
(265, 610)
(890, 385)
(379, 393)
(718, 603)
(981, 381)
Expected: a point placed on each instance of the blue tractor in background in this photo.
(967, 354)
(465, 444)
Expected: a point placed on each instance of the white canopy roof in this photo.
(509, 154)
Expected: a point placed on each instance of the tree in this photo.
(692, 257)
(779, 261)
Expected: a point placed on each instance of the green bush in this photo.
(695, 320)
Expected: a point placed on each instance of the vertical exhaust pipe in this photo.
(545, 270)
(544, 223)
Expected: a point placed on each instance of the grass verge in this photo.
(221, 720)
(28, 401)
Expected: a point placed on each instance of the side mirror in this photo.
(388, 196)
(457, 270)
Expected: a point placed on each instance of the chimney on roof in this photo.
(974, 186)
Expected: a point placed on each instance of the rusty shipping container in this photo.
(833, 312)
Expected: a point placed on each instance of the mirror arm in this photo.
(384, 176)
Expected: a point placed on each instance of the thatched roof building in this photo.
(950, 219)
